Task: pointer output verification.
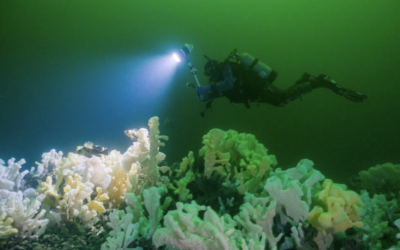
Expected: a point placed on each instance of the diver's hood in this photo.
(209, 67)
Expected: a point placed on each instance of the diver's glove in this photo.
(325, 81)
(204, 93)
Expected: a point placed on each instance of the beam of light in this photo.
(150, 82)
(128, 88)
(176, 57)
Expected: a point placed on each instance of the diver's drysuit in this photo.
(243, 79)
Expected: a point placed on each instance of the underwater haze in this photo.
(76, 71)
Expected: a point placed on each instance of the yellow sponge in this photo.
(6, 227)
(97, 203)
(338, 208)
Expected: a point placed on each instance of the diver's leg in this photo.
(324, 81)
(304, 85)
(277, 97)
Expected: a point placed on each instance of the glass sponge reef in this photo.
(228, 196)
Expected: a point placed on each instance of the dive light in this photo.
(183, 55)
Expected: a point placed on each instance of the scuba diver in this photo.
(244, 79)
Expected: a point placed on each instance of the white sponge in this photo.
(10, 177)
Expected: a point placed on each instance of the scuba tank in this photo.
(248, 61)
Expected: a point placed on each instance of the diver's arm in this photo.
(206, 93)
(229, 80)
(214, 90)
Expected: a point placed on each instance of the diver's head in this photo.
(209, 67)
(212, 69)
